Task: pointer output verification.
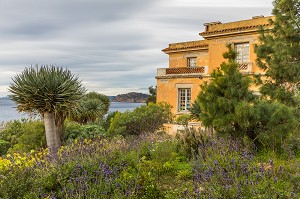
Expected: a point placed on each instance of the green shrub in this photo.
(23, 136)
(11, 131)
(132, 168)
(291, 146)
(193, 142)
(17, 184)
(276, 123)
(73, 131)
(184, 174)
(4, 146)
(108, 119)
(232, 171)
(183, 119)
(144, 119)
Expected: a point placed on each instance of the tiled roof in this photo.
(235, 29)
(185, 46)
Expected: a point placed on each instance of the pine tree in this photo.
(279, 53)
(226, 100)
(228, 106)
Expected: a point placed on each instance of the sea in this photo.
(8, 111)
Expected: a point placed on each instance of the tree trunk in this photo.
(59, 127)
(50, 130)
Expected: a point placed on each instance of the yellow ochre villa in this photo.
(190, 63)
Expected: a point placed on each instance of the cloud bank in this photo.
(114, 46)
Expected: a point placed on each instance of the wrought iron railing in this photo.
(245, 67)
(170, 71)
(195, 71)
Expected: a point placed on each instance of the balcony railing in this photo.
(182, 72)
(245, 67)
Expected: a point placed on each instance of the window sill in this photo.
(182, 112)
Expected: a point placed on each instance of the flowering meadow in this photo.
(150, 166)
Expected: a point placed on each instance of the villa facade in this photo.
(190, 63)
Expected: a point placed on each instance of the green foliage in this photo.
(17, 184)
(10, 132)
(279, 53)
(50, 91)
(92, 107)
(227, 105)
(195, 110)
(45, 89)
(224, 96)
(32, 138)
(152, 96)
(275, 124)
(22, 136)
(232, 171)
(291, 146)
(108, 119)
(193, 142)
(144, 119)
(183, 119)
(150, 166)
(184, 174)
(4, 146)
(74, 131)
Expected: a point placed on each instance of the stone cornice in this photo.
(200, 76)
(235, 30)
(186, 46)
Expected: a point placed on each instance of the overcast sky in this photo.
(114, 46)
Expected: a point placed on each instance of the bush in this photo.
(10, 132)
(193, 142)
(85, 169)
(144, 119)
(23, 136)
(276, 123)
(232, 171)
(73, 131)
(183, 119)
(148, 167)
(105, 123)
(4, 146)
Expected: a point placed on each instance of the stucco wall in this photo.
(168, 89)
(209, 52)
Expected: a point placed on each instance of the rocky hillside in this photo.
(131, 97)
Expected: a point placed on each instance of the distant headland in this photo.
(131, 97)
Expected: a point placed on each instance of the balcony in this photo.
(195, 72)
(245, 68)
(182, 72)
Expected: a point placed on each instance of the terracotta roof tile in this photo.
(185, 47)
(233, 29)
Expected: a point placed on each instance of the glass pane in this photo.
(184, 99)
(242, 52)
(192, 62)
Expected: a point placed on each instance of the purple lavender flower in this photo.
(215, 162)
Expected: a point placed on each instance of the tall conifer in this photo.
(279, 53)
(225, 101)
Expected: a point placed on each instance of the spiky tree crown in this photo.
(45, 89)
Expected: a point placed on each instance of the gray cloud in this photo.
(113, 45)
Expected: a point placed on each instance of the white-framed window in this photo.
(243, 52)
(184, 99)
(192, 61)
